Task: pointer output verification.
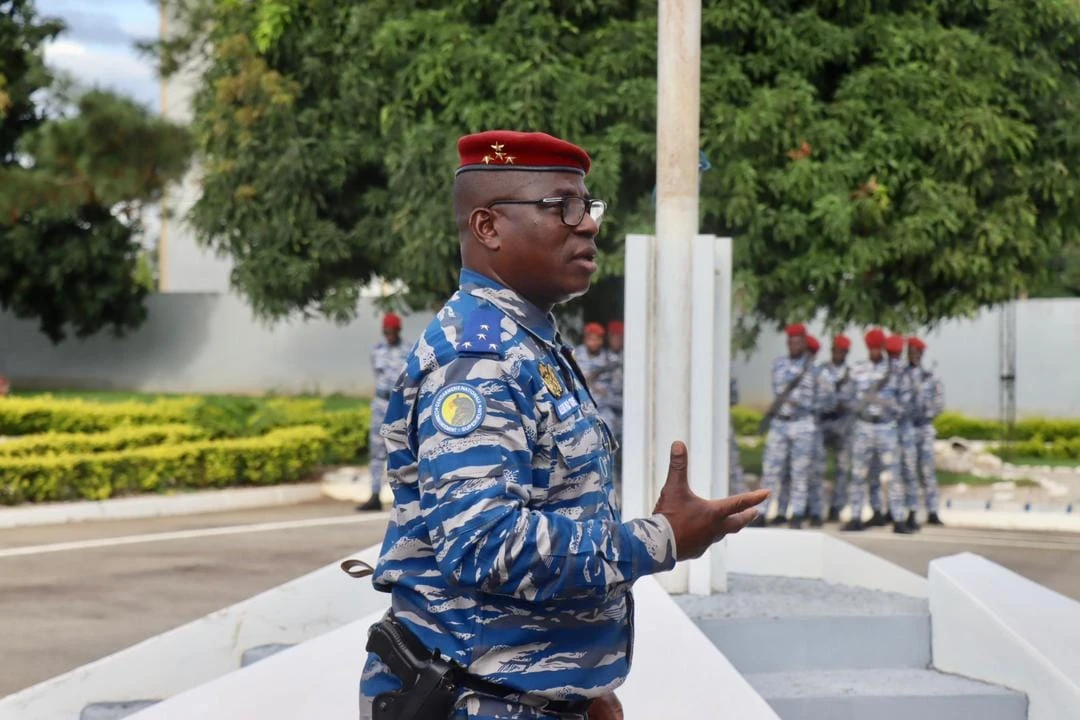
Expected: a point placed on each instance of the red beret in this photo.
(594, 329)
(875, 338)
(812, 343)
(391, 322)
(842, 341)
(615, 328)
(894, 344)
(916, 343)
(795, 330)
(509, 150)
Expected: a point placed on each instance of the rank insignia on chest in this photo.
(551, 380)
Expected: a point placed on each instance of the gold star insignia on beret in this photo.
(498, 148)
(487, 159)
(509, 159)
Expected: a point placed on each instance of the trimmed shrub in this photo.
(280, 456)
(745, 421)
(25, 416)
(1061, 449)
(121, 438)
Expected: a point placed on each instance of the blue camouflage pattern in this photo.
(835, 430)
(876, 436)
(789, 443)
(736, 481)
(929, 403)
(505, 548)
(610, 397)
(387, 363)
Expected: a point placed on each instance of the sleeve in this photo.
(475, 476)
(938, 406)
(825, 394)
(778, 376)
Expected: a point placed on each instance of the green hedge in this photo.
(26, 416)
(284, 455)
(122, 438)
(745, 420)
(1038, 448)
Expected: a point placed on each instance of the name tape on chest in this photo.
(458, 409)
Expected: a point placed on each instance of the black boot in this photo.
(778, 520)
(879, 519)
(816, 521)
(834, 515)
(759, 521)
(853, 525)
(796, 522)
(901, 528)
(372, 503)
(912, 522)
(933, 519)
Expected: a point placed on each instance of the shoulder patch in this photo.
(480, 334)
(458, 409)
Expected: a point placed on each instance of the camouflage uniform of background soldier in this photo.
(881, 394)
(505, 551)
(611, 404)
(789, 440)
(894, 348)
(736, 481)
(835, 424)
(929, 402)
(387, 361)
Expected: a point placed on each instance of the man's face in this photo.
(392, 335)
(914, 355)
(540, 257)
(839, 355)
(594, 342)
(796, 345)
(615, 342)
(875, 354)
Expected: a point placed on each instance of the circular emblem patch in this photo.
(458, 410)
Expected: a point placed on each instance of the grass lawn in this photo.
(752, 458)
(1041, 462)
(331, 402)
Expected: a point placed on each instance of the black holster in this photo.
(429, 691)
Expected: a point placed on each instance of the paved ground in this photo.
(71, 594)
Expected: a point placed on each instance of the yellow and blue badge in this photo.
(458, 409)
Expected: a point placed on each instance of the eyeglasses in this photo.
(573, 208)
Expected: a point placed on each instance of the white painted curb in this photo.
(135, 508)
(999, 520)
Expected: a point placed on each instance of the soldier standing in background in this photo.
(593, 359)
(929, 402)
(815, 497)
(880, 397)
(894, 346)
(835, 423)
(789, 440)
(612, 405)
(387, 361)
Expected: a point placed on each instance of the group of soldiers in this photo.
(876, 417)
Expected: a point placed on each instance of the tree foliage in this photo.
(72, 188)
(895, 162)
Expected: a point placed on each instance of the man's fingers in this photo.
(734, 523)
(738, 503)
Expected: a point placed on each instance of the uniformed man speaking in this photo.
(508, 563)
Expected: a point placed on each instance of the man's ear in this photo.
(482, 225)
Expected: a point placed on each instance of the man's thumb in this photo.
(676, 474)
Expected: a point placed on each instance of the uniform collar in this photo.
(517, 308)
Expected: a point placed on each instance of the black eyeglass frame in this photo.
(587, 205)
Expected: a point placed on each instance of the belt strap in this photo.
(475, 683)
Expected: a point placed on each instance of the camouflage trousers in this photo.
(376, 444)
(789, 452)
(876, 446)
(919, 468)
(836, 437)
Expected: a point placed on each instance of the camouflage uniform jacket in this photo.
(387, 362)
(891, 402)
(505, 548)
(929, 396)
(803, 400)
(841, 396)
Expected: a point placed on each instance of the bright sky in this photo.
(98, 47)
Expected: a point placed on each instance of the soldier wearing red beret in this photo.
(929, 402)
(834, 425)
(387, 361)
(881, 396)
(507, 559)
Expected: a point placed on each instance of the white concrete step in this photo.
(777, 624)
(891, 694)
(114, 710)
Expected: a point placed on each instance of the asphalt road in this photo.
(74, 593)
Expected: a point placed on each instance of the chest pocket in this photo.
(583, 451)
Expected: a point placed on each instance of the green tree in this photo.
(884, 162)
(73, 186)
